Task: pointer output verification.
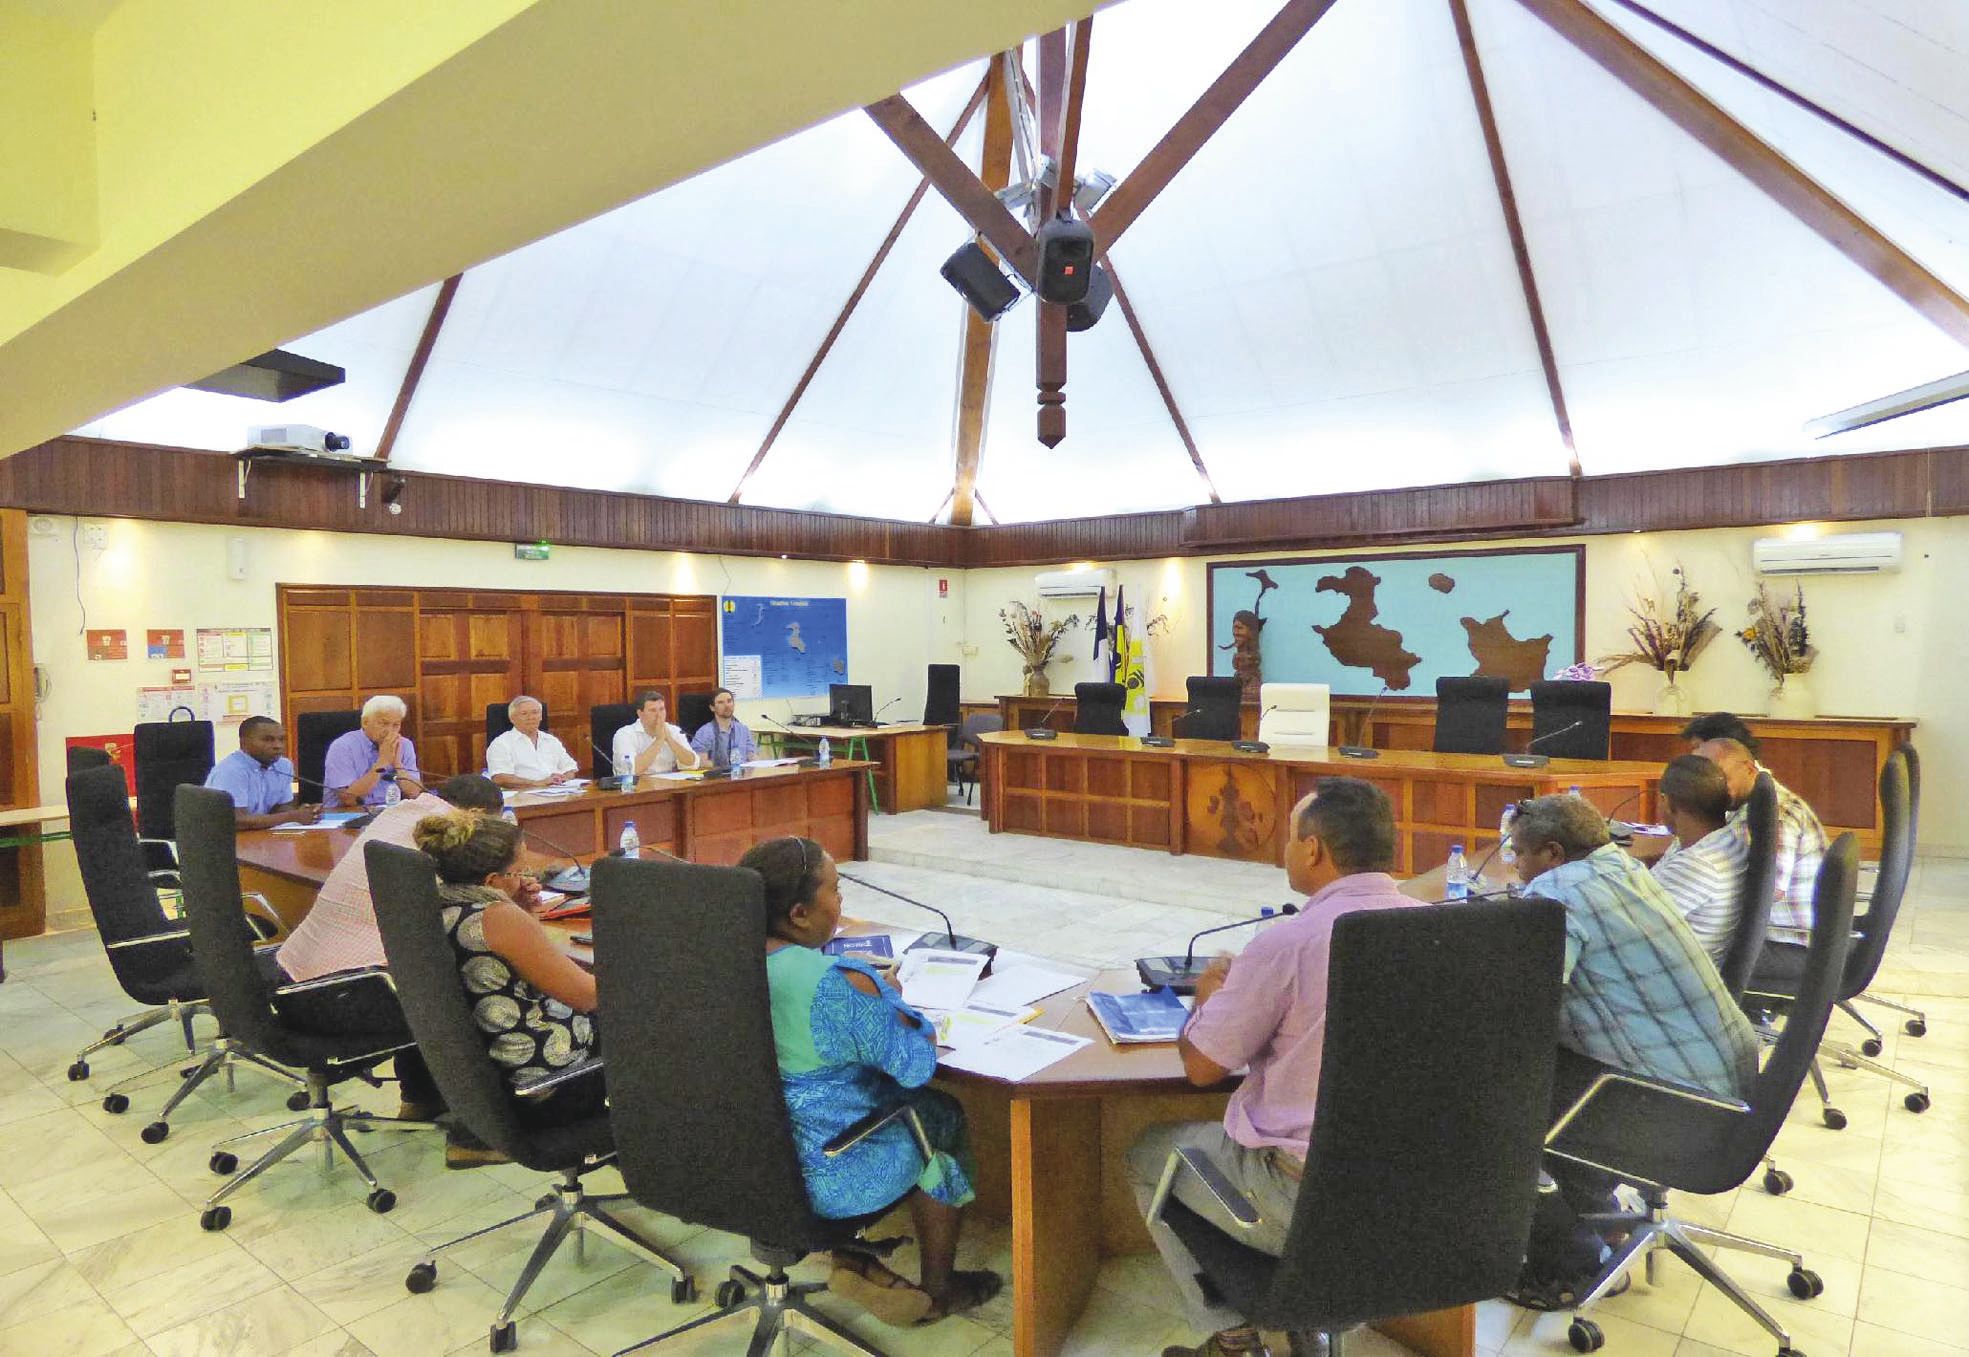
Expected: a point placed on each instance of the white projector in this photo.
(296, 438)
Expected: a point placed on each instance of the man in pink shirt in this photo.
(1267, 1009)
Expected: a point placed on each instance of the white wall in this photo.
(174, 575)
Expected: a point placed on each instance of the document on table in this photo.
(933, 979)
(1022, 985)
(770, 763)
(1015, 1052)
(568, 788)
(974, 1022)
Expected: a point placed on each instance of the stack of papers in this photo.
(974, 1022)
(874, 948)
(568, 788)
(933, 979)
(1015, 1052)
(1129, 1019)
(1017, 986)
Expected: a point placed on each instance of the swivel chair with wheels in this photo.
(1663, 1137)
(1471, 715)
(701, 1127)
(693, 712)
(1216, 705)
(1754, 900)
(940, 701)
(1097, 709)
(424, 969)
(604, 720)
(968, 756)
(1421, 1176)
(314, 731)
(1571, 719)
(167, 753)
(247, 1007)
(1916, 1024)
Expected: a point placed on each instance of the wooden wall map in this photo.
(1403, 620)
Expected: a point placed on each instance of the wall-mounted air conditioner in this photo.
(1853, 553)
(1074, 583)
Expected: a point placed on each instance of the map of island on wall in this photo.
(783, 647)
(1356, 623)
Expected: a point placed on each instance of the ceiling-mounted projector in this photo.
(296, 438)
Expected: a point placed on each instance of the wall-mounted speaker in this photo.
(1086, 313)
(1066, 260)
(979, 281)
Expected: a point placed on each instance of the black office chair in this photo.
(498, 720)
(1423, 1168)
(603, 721)
(1663, 1137)
(693, 712)
(966, 759)
(247, 1007)
(1916, 1023)
(1470, 715)
(1782, 964)
(1098, 709)
(424, 969)
(314, 731)
(149, 952)
(1576, 714)
(167, 753)
(1755, 891)
(940, 701)
(1215, 706)
(701, 1128)
(85, 756)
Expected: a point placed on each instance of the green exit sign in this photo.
(532, 551)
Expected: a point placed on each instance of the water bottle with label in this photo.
(509, 815)
(1504, 853)
(625, 769)
(1456, 877)
(391, 793)
(631, 843)
(823, 756)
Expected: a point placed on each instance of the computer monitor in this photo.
(849, 703)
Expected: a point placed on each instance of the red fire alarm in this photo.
(943, 588)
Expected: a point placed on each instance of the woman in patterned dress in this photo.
(848, 1045)
(532, 1003)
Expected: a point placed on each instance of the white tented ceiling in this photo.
(1328, 286)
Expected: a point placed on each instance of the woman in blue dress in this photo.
(848, 1046)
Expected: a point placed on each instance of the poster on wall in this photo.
(783, 647)
(122, 751)
(157, 704)
(237, 649)
(108, 644)
(237, 701)
(164, 644)
(1399, 621)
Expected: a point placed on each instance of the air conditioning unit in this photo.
(1074, 583)
(1853, 553)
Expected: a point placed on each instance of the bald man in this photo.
(1801, 838)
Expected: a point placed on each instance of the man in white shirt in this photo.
(1702, 873)
(526, 755)
(650, 743)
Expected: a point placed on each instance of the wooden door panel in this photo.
(437, 637)
(601, 637)
(318, 653)
(491, 635)
(386, 651)
(649, 646)
(693, 644)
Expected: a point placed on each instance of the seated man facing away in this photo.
(363, 766)
(650, 743)
(1801, 838)
(723, 741)
(1267, 1008)
(1703, 869)
(526, 755)
(1640, 995)
(259, 779)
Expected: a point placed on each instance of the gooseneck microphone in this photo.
(1366, 751)
(1531, 760)
(1256, 746)
(953, 941)
(876, 718)
(1042, 731)
(1180, 973)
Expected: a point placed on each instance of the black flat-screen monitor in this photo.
(849, 703)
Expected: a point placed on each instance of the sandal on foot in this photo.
(968, 1290)
(892, 1299)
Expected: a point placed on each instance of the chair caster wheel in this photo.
(1871, 1047)
(116, 1102)
(115, 1036)
(683, 1290)
(1777, 1182)
(382, 1201)
(729, 1294)
(155, 1133)
(1805, 1283)
(297, 1102)
(1915, 1027)
(78, 1071)
(1585, 1336)
(215, 1218)
(505, 1338)
(223, 1162)
(421, 1279)
(1790, 1352)
(1915, 1102)
(1834, 1118)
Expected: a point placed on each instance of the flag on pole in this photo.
(1100, 621)
(1117, 647)
(1128, 670)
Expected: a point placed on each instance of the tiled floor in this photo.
(100, 1251)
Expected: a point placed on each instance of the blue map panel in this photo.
(1358, 622)
(784, 647)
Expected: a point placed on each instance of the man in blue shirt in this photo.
(259, 779)
(723, 741)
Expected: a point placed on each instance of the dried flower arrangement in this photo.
(1777, 635)
(1667, 638)
(1035, 639)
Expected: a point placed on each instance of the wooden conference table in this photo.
(1051, 1149)
(911, 770)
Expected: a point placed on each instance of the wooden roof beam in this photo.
(974, 374)
(976, 203)
(1062, 91)
(414, 374)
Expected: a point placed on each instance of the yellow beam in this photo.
(267, 170)
(47, 143)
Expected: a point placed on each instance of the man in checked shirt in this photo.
(1726, 741)
(1640, 995)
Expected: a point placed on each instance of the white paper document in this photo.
(932, 979)
(568, 788)
(1015, 1052)
(768, 763)
(1021, 985)
(974, 1022)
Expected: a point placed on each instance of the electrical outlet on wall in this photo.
(95, 536)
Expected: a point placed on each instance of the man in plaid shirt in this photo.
(1727, 742)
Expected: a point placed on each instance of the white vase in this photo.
(1792, 699)
(1672, 699)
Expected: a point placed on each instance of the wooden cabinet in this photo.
(23, 906)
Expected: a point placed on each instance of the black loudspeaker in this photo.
(1086, 313)
(1066, 260)
(980, 281)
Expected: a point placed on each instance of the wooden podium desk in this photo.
(1204, 797)
(911, 771)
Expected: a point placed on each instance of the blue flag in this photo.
(1101, 624)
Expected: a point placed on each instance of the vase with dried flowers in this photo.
(1779, 638)
(1667, 638)
(1035, 639)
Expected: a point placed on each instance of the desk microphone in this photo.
(361, 822)
(953, 940)
(1256, 746)
(1042, 731)
(569, 880)
(1181, 973)
(1366, 751)
(619, 781)
(1153, 741)
(876, 719)
(1531, 760)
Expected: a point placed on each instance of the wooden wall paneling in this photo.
(467, 657)
(23, 893)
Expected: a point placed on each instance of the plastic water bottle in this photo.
(1456, 877)
(631, 843)
(625, 768)
(824, 756)
(1572, 792)
(1504, 853)
(391, 793)
(509, 815)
